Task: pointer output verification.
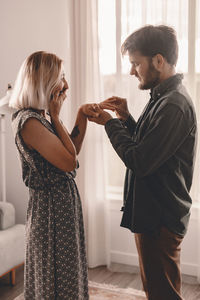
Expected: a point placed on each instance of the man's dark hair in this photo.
(151, 40)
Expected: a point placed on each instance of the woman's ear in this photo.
(158, 62)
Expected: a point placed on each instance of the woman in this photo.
(55, 266)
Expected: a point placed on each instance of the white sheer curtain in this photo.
(85, 87)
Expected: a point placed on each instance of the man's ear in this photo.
(158, 62)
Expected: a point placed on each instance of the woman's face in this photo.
(62, 87)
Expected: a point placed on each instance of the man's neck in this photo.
(167, 74)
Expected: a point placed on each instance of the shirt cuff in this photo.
(112, 121)
(128, 122)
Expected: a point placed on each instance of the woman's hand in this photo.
(89, 110)
(103, 116)
(56, 103)
(118, 105)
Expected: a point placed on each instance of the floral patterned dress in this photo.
(55, 264)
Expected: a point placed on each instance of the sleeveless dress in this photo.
(55, 263)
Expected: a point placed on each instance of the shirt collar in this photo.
(166, 85)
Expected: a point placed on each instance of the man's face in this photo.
(143, 68)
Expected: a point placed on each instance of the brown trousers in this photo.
(159, 260)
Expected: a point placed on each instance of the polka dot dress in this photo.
(55, 265)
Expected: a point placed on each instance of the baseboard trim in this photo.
(131, 260)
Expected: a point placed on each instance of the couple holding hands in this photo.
(158, 151)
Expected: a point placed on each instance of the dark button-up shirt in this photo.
(159, 152)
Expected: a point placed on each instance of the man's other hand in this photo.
(118, 105)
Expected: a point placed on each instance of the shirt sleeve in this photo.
(130, 124)
(165, 133)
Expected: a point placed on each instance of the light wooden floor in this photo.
(118, 275)
(128, 277)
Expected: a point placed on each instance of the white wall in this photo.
(27, 26)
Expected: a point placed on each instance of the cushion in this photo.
(12, 241)
(7, 215)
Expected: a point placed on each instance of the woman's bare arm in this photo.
(58, 149)
(78, 133)
(60, 152)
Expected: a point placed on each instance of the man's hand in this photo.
(118, 105)
(102, 118)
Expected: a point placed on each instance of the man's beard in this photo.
(152, 78)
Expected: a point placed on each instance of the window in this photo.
(117, 19)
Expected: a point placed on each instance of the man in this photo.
(158, 151)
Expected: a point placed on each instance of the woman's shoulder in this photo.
(21, 116)
(25, 113)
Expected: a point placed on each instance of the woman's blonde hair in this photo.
(39, 74)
